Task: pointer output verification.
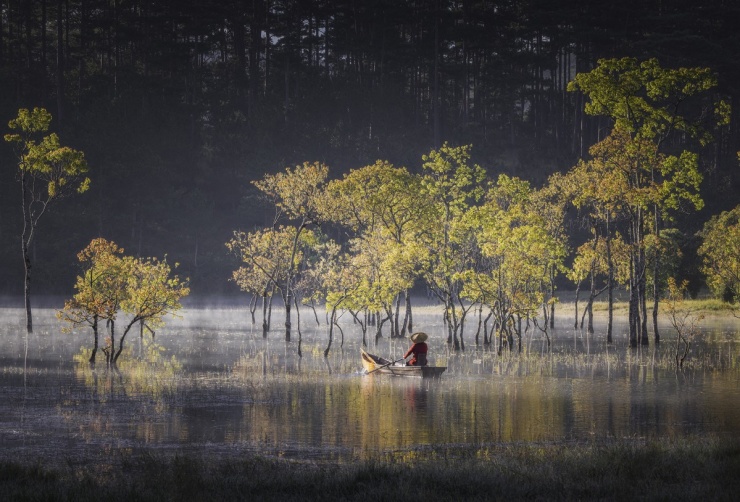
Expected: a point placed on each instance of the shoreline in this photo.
(690, 468)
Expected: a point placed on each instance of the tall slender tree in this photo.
(296, 194)
(648, 104)
(47, 172)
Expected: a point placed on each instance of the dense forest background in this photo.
(180, 104)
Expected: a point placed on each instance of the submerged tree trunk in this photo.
(578, 289)
(331, 330)
(27, 288)
(552, 295)
(486, 339)
(590, 306)
(253, 307)
(297, 316)
(409, 315)
(120, 343)
(315, 314)
(656, 286)
(643, 308)
(480, 324)
(109, 355)
(265, 322)
(633, 314)
(609, 284)
(26, 239)
(287, 301)
(95, 340)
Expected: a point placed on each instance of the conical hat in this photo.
(418, 337)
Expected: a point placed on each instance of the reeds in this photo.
(685, 469)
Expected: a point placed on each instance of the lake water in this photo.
(212, 385)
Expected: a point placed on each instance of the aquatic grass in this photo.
(576, 361)
(686, 469)
(621, 307)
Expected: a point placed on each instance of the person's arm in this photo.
(409, 352)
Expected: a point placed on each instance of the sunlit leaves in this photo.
(375, 197)
(60, 169)
(47, 171)
(296, 192)
(591, 259)
(268, 255)
(100, 288)
(381, 205)
(720, 251)
(520, 249)
(450, 180)
(644, 99)
(142, 290)
(30, 121)
(152, 292)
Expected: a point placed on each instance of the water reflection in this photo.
(215, 387)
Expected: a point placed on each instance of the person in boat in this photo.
(418, 350)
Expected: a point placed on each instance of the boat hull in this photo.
(378, 365)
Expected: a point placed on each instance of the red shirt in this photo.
(419, 350)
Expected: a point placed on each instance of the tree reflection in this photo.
(151, 373)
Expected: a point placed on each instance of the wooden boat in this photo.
(371, 363)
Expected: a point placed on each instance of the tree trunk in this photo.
(297, 316)
(109, 357)
(253, 307)
(578, 289)
(643, 308)
(288, 299)
(610, 284)
(552, 295)
(656, 286)
(480, 324)
(114, 359)
(255, 49)
(60, 65)
(409, 316)
(633, 315)
(26, 239)
(95, 340)
(331, 330)
(436, 102)
(27, 287)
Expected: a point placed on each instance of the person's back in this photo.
(419, 350)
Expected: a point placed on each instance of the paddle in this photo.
(386, 364)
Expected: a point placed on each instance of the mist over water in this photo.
(210, 384)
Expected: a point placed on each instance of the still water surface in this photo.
(212, 385)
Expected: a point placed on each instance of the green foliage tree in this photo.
(100, 289)
(647, 104)
(266, 255)
(141, 289)
(604, 263)
(449, 187)
(297, 195)
(47, 172)
(152, 293)
(379, 203)
(720, 252)
(521, 254)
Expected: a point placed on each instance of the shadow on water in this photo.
(212, 383)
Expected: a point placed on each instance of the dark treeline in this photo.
(178, 105)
